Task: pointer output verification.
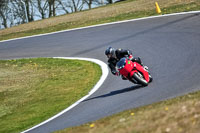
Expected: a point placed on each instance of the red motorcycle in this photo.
(134, 72)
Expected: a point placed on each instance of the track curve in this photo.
(168, 45)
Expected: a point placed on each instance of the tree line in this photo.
(15, 12)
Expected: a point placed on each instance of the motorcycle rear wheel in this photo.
(138, 77)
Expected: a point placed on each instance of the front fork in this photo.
(139, 68)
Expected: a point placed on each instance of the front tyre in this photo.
(150, 78)
(140, 79)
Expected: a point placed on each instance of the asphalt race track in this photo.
(169, 46)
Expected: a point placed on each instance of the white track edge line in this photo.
(105, 72)
(98, 25)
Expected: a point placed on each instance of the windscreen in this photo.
(121, 63)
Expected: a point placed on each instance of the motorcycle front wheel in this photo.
(140, 79)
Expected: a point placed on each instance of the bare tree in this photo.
(73, 5)
(18, 11)
(29, 10)
(64, 6)
(51, 4)
(109, 1)
(12, 12)
(89, 3)
(95, 3)
(42, 7)
(4, 12)
(2, 2)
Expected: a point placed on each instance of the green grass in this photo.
(30, 90)
(178, 115)
(192, 6)
(33, 90)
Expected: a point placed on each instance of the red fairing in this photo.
(138, 67)
(127, 69)
(130, 56)
(131, 67)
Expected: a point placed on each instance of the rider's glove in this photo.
(130, 57)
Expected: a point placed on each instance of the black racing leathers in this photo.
(120, 53)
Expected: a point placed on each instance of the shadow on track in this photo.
(112, 93)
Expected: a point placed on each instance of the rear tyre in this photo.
(140, 79)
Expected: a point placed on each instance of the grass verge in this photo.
(130, 9)
(32, 90)
(178, 115)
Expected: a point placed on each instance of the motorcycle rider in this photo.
(115, 55)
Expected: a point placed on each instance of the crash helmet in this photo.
(110, 52)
